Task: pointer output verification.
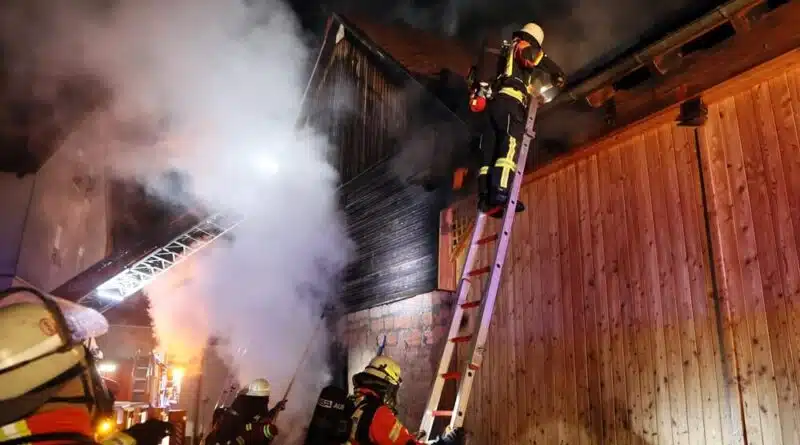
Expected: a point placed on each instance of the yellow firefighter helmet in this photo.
(258, 388)
(535, 31)
(384, 368)
(33, 352)
(43, 338)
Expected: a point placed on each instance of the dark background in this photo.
(581, 35)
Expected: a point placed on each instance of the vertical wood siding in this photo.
(386, 129)
(618, 323)
(605, 330)
(394, 227)
(751, 157)
(360, 109)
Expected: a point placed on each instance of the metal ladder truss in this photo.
(141, 273)
(485, 304)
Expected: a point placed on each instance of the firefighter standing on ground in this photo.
(374, 420)
(50, 390)
(506, 112)
(248, 421)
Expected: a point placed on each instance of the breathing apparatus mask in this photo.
(387, 392)
(45, 352)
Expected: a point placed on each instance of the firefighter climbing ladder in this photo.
(484, 304)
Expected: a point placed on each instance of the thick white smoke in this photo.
(212, 89)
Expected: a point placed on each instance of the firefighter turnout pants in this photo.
(503, 133)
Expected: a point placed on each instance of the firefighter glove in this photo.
(273, 413)
(455, 437)
(270, 431)
(151, 432)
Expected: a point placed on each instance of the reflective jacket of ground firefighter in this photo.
(233, 429)
(374, 423)
(72, 425)
(516, 68)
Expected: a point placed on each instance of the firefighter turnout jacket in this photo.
(374, 423)
(72, 425)
(233, 429)
(516, 68)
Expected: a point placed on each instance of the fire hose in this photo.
(302, 361)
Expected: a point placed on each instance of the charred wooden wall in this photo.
(651, 292)
(386, 128)
(395, 228)
(360, 109)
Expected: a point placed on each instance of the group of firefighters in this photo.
(50, 389)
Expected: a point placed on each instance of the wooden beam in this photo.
(770, 47)
(717, 93)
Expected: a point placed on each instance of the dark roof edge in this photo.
(393, 66)
(629, 63)
(336, 23)
(328, 42)
(375, 49)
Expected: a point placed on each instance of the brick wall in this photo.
(415, 330)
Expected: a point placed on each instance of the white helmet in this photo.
(42, 338)
(258, 388)
(535, 31)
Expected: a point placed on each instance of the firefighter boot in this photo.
(499, 199)
(484, 204)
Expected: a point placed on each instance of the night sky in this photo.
(579, 34)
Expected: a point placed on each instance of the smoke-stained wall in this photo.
(395, 227)
(394, 132)
(66, 228)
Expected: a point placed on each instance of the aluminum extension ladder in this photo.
(486, 304)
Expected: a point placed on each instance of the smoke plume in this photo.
(210, 89)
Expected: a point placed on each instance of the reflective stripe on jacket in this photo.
(374, 423)
(68, 421)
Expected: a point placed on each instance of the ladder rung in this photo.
(454, 375)
(495, 210)
(462, 339)
(439, 413)
(471, 304)
(487, 239)
(480, 271)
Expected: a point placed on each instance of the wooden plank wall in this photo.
(619, 323)
(605, 331)
(751, 157)
(360, 109)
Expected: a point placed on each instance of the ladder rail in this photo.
(486, 300)
(493, 284)
(464, 286)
